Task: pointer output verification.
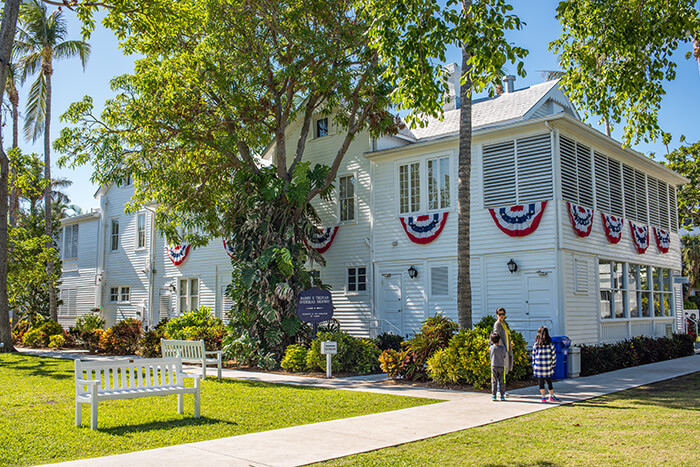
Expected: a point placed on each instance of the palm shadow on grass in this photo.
(161, 425)
(44, 368)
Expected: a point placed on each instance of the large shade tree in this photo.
(41, 39)
(220, 85)
(617, 56)
(412, 39)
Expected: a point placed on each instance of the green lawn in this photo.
(37, 398)
(657, 424)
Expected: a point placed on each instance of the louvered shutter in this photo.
(499, 175)
(439, 281)
(569, 179)
(662, 198)
(615, 178)
(673, 208)
(534, 169)
(653, 188)
(585, 175)
(629, 190)
(602, 182)
(641, 196)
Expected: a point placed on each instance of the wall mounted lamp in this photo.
(512, 266)
(412, 272)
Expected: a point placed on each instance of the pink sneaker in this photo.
(554, 399)
(544, 399)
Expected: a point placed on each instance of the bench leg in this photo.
(78, 413)
(218, 369)
(204, 370)
(180, 404)
(93, 415)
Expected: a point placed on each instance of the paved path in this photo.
(328, 440)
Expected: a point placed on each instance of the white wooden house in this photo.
(532, 160)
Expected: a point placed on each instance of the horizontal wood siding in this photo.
(580, 303)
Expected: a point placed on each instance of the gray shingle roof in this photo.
(487, 112)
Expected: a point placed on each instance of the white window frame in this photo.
(357, 275)
(317, 129)
(353, 198)
(120, 294)
(113, 237)
(187, 294)
(140, 233)
(438, 159)
(67, 251)
(419, 206)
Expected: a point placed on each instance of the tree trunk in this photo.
(7, 37)
(53, 307)
(13, 192)
(464, 287)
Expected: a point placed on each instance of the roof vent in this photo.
(509, 83)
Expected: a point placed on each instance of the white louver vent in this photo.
(585, 175)
(653, 206)
(629, 190)
(69, 307)
(569, 179)
(534, 168)
(439, 281)
(499, 175)
(640, 183)
(673, 211)
(615, 177)
(664, 207)
(602, 182)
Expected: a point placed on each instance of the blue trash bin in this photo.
(561, 347)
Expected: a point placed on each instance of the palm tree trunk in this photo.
(13, 194)
(7, 36)
(53, 307)
(464, 288)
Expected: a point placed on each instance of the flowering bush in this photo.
(195, 325)
(122, 338)
(57, 341)
(149, 344)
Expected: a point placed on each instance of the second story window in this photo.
(70, 241)
(141, 231)
(188, 294)
(346, 197)
(439, 183)
(409, 187)
(114, 236)
(322, 127)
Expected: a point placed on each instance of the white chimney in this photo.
(452, 97)
(509, 83)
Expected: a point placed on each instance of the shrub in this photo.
(354, 355)
(149, 344)
(690, 305)
(402, 364)
(84, 331)
(33, 338)
(486, 322)
(388, 340)
(639, 350)
(294, 358)
(195, 325)
(57, 341)
(91, 339)
(122, 338)
(40, 334)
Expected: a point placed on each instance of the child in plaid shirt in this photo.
(543, 360)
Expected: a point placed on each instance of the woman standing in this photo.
(501, 328)
(543, 360)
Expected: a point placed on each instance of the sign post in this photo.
(314, 306)
(329, 348)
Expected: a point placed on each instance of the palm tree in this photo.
(13, 96)
(41, 40)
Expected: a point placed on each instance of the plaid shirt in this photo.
(543, 360)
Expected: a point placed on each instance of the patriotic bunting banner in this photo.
(323, 240)
(519, 220)
(663, 239)
(581, 219)
(640, 236)
(177, 254)
(424, 229)
(613, 227)
(229, 249)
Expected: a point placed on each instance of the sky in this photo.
(71, 83)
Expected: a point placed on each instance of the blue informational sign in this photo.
(315, 305)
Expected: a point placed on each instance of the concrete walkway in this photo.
(328, 440)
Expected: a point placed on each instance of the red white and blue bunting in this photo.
(581, 219)
(425, 228)
(177, 254)
(640, 237)
(613, 227)
(519, 220)
(663, 239)
(229, 249)
(323, 240)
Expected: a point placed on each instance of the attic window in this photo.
(322, 127)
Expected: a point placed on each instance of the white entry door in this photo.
(392, 303)
(539, 303)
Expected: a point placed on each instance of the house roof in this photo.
(498, 110)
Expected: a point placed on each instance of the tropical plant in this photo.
(196, 325)
(355, 355)
(294, 358)
(690, 252)
(122, 338)
(40, 41)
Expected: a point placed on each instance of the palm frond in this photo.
(29, 64)
(36, 109)
(70, 49)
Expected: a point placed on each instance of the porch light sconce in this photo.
(412, 272)
(172, 286)
(512, 266)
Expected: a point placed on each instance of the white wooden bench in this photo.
(126, 379)
(192, 352)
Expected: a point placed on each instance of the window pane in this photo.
(125, 294)
(403, 188)
(194, 303)
(633, 277)
(658, 311)
(617, 276)
(667, 280)
(194, 286)
(646, 304)
(432, 185)
(619, 300)
(183, 287)
(605, 304)
(634, 304)
(667, 305)
(605, 275)
(415, 187)
(656, 272)
(183, 303)
(644, 277)
(445, 182)
(321, 127)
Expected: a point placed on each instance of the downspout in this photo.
(370, 243)
(101, 237)
(561, 318)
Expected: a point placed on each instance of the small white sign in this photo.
(329, 348)
(680, 280)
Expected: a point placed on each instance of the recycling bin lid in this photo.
(563, 340)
